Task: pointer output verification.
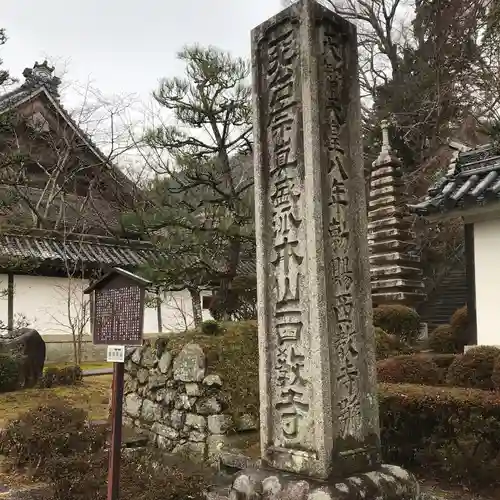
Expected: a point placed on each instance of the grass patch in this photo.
(234, 356)
(91, 395)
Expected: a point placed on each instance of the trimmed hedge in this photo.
(474, 369)
(397, 320)
(409, 369)
(460, 325)
(444, 340)
(387, 345)
(452, 431)
(443, 361)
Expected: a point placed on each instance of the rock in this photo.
(189, 365)
(196, 421)
(156, 380)
(131, 368)
(191, 451)
(247, 423)
(183, 401)
(208, 406)
(219, 424)
(216, 445)
(177, 419)
(165, 431)
(133, 405)
(169, 397)
(197, 436)
(130, 386)
(212, 381)
(136, 356)
(160, 395)
(148, 358)
(142, 375)
(164, 443)
(165, 362)
(388, 482)
(151, 412)
(193, 389)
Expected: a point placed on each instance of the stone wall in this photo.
(171, 394)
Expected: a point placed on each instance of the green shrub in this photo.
(211, 327)
(387, 345)
(235, 357)
(473, 369)
(454, 431)
(460, 325)
(58, 445)
(83, 477)
(443, 361)
(411, 369)
(10, 368)
(398, 320)
(46, 432)
(444, 340)
(69, 375)
(495, 376)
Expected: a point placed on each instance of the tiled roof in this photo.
(14, 97)
(92, 251)
(473, 179)
(26, 91)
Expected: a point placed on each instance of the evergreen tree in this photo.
(200, 210)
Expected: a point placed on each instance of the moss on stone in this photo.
(233, 355)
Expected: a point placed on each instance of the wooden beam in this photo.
(470, 271)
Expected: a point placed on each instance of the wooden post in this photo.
(117, 319)
(10, 302)
(470, 270)
(116, 431)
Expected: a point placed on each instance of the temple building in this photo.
(61, 205)
(470, 189)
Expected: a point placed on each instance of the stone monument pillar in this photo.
(396, 276)
(318, 401)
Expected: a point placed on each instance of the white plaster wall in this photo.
(487, 270)
(176, 313)
(44, 302)
(51, 304)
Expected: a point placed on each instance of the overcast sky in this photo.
(124, 46)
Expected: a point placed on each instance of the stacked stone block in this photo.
(177, 402)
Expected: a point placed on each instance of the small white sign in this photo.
(116, 354)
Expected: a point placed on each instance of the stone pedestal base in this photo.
(389, 482)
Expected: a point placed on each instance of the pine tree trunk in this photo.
(197, 311)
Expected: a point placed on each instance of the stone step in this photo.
(231, 461)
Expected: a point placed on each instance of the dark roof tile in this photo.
(473, 178)
(93, 251)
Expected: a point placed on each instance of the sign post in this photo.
(118, 299)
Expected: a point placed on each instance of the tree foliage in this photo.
(200, 210)
(4, 74)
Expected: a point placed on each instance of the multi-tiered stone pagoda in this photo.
(396, 275)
